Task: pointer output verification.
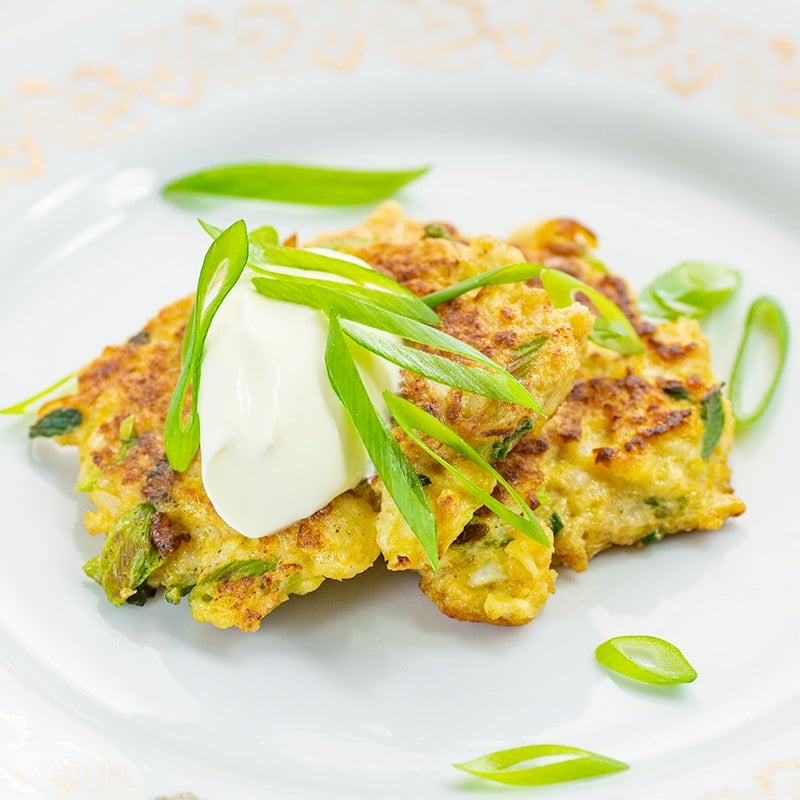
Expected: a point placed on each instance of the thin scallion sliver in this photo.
(648, 659)
(28, 404)
(540, 765)
(295, 183)
(766, 323)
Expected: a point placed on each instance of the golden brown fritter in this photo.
(231, 580)
(500, 321)
(622, 457)
(492, 572)
(616, 457)
(161, 529)
(619, 462)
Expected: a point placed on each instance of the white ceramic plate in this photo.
(671, 129)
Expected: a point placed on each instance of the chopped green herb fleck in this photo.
(652, 537)
(496, 544)
(712, 413)
(56, 423)
(173, 595)
(524, 356)
(236, 570)
(556, 523)
(500, 449)
(677, 390)
(206, 588)
(434, 231)
(127, 428)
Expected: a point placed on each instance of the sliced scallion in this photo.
(26, 406)
(222, 266)
(510, 273)
(647, 659)
(295, 183)
(278, 255)
(412, 418)
(518, 766)
(496, 385)
(361, 309)
(767, 327)
(690, 289)
(612, 329)
(391, 464)
(407, 306)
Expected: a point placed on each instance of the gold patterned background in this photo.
(174, 66)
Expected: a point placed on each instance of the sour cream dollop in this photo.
(276, 444)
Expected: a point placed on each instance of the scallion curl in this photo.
(767, 321)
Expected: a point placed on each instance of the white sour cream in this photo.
(276, 444)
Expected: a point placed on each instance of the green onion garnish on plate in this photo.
(690, 289)
(518, 766)
(647, 659)
(29, 403)
(377, 314)
(295, 183)
(223, 264)
(612, 329)
(766, 327)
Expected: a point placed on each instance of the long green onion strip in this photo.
(365, 316)
(612, 329)
(223, 264)
(503, 766)
(391, 464)
(690, 289)
(358, 317)
(295, 183)
(511, 273)
(766, 325)
(440, 369)
(368, 313)
(647, 659)
(265, 252)
(277, 255)
(412, 418)
(409, 307)
(27, 405)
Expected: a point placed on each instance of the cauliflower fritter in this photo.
(492, 572)
(231, 580)
(517, 326)
(619, 455)
(622, 457)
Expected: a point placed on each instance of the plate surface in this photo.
(671, 129)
